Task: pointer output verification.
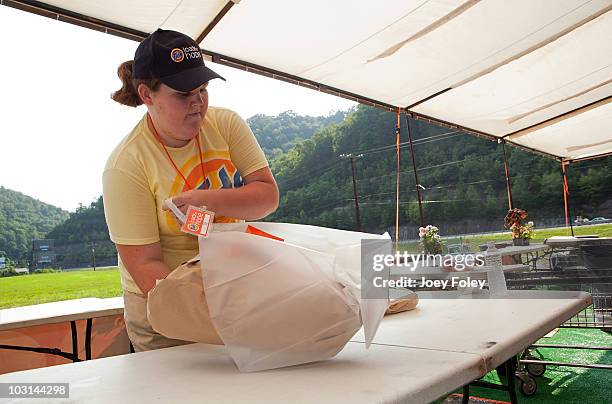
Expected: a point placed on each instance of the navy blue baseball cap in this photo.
(173, 58)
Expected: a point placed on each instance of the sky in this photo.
(58, 124)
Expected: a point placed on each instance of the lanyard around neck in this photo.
(156, 135)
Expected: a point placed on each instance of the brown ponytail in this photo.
(127, 94)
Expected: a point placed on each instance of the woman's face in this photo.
(177, 115)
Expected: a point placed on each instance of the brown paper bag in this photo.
(176, 307)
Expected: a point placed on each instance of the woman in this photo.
(182, 149)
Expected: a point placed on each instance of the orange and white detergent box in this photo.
(198, 221)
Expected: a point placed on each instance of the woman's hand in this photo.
(193, 197)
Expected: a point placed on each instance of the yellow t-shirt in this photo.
(138, 177)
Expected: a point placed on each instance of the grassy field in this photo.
(602, 230)
(49, 287)
(25, 290)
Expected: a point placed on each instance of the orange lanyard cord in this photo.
(156, 135)
(200, 154)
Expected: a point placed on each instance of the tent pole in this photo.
(414, 167)
(214, 22)
(71, 17)
(566, 192)
(508, 186)
(397, 176)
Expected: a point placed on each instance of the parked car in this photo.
(599, 219)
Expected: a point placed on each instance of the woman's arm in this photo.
(144, 263)
(257, 198)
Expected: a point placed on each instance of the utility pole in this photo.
(93, 254)
(507, 171)
(355, 195)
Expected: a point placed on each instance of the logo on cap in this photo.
(177, 55)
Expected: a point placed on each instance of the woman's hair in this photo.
(128, 93)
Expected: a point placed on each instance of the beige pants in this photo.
(141, 334)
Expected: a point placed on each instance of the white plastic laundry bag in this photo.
(281, 303)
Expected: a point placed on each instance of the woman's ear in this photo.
(144, 93)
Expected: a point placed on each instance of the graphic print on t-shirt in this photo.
(218, 172)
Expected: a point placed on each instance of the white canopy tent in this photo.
(537, 74)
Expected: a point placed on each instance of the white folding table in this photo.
(533, 252)
(416, 357)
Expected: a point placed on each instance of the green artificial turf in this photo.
(561, 384)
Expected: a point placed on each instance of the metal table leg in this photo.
(466, 394)
(88, 339)
(75, 341)
(510, 367)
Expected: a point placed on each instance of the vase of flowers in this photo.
(522, 231)
(430, 240)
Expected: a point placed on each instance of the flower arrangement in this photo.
(515, 221)
(430, 239)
